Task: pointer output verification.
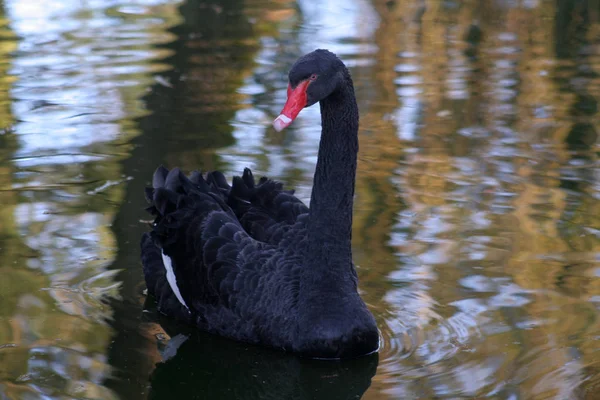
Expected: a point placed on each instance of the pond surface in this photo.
(477, 214)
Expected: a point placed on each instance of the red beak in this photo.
(296, 101)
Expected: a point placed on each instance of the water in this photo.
(476, 232)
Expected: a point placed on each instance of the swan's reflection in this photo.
(197, 365)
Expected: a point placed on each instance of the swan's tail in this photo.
(176, 199)
(171, 189)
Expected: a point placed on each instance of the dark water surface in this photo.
(477, 218)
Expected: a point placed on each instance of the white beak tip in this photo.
(281, 122)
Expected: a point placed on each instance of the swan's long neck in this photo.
(330, 221)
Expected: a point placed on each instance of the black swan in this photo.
(250, 261)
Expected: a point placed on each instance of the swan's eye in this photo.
(313, 77)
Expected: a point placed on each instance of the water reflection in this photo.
(203, 366)
(476, 227)
(485, 206)
(76, 73)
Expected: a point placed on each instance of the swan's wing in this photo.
(265, 209)
(198, 255)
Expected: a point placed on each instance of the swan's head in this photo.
(312, 78)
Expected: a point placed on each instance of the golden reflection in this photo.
(498, 212)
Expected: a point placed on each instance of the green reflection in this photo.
(61, 182)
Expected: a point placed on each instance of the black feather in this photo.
(248, 178)
(158, 179)
(218, 179)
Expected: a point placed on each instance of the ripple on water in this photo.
(76, 77)
(423, 338)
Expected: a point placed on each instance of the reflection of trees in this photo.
(500, 189)
(377, 203)
(8, 144)
(575, 24)
(214, 51)
(54, 221)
